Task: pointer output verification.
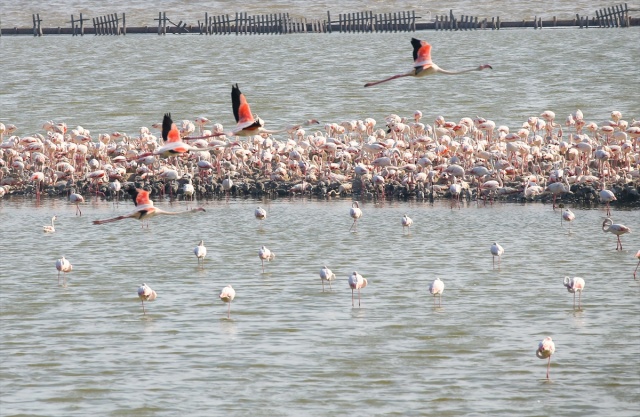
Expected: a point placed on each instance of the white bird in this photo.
(200, 251)
(546, 348)
(355, 213)
(636, 270)
(145, 293)
(227, 295)
(265, 254)
(406, 222)
(326, 275)
(568, 216)
(64, 266)
(50, 229)
(260, 213)
(496, 250)
(76, 199)
(574, 285)
(356, 282)
(437, 288)
(607, 196)
(616, 229)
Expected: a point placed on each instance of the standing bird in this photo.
(227, 295)
(568, 216)
(50, 229)
(406, 222)
(144, 209)
(422, 64)
(546, 348)
(607, 196)
(326, 275)
(575, 285)
(200, 251)
(437, 288)
(76, 199)
(356, 281)
(260, 214)
(145, 293)
(636, 270)
(616, 229)
(64, 266)
(265, 254)
(496, 250)
(355, 213)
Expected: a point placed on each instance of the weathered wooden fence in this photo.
(369, 22)
(109, 24)
(616, 16)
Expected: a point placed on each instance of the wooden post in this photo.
(498, 22)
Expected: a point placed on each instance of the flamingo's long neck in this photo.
(389, 79)
(443, 71)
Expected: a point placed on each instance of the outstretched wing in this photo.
(241, 110)
(170, 132)
(133, 192)
(421, 53)
(143, 197)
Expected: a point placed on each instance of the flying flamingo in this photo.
(574, 285)
(227, 295)
(145, 293)
(616, 229)
(145, 209)
(567, 216)
(356, 281)
(422, 64)
(326, 275)
(50, 229)
(355, 213)
(496, 250)
(76, 199)
(437, 288)
(546, 348)
(265, 254)
(406, 222)
(64, 266)
(636, 270)
(200, 251)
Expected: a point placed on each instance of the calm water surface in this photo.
(289, 348)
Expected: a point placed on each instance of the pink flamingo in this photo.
(607, 196)
(356, 282)
(422, 64)
(227, 295)
(575, 285)
(145, 293)
(437, 288)
(496, 250)
(200, 251)
(76, 199)
(265, 254)
(616, 229)
(326, 275)
(355, 213)
(636, 270)
(63, 265)
(406, 222)
(144, 209)
(546, 348)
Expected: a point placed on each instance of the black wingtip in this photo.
(166, 126)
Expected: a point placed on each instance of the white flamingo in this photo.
(145, 293)
(50, 228)
(607, 196)
(76, 199)
(227, 295)
(616, 229)
(63, 265)
(575, 285)
(546, 348)
(568, 216)
(326, 275)
(260, 213)
(437, 288)
(636, 270)
(496, 250)
(265, 254)
(355, 214)
(356, 282)
(200, 251)
(406, 222)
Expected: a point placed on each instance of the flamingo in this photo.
(568, 216)
(145, 209)
(63, 265)
(496, 250)
(355, 213)
(145, 293)
(227, 295)
(406, 222)
(76, 199)
(265, 254)
(326, 275)
(422, 64)
(574, 285)
(437, 288)
(200, 251)
(356, 281)
(50, 229)
(616, 229)
(636, 270)
(607, 196)
(173, 145)
(546, 348)
(260, 213)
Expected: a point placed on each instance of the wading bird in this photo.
(356, 282)
(437, 288)
(575, 285)
(546, 348)
(64, 266)
(326, 275)
(422, 64)
(265, 254)
(636, 270)
(496, 250)
(145, 209)
(145, 293)
(568, 216)
(50, 228)
(200, 251)
(76, 199)
(355, 214)
(616, 229)
(227, 295)
(406, 222)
